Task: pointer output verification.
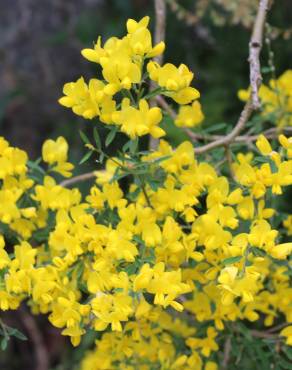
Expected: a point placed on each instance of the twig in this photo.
(226, 140)
(42, 358)
(163, 104)
(228, 156)
(269, 134)
(146, 196)
(264, 335)
(159, 35)
(255, 47)
(194, 136)
(76, 179)
(278, 327)
(160, 25)
(226, 353)
(255, 80)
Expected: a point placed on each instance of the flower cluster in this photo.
(276, 99)
(125, 64)
(162, 267)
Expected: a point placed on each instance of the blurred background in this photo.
(40, 47)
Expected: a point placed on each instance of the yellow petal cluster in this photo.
(166, 266)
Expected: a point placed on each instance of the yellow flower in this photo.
(233, 285)
(138, 122)
(56, 153)
(175, 80)
(4, 258)
(287, 332)
(140, 38)
(263, 145)
(189, 115)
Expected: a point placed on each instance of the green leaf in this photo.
(133, 146)
(4, 343)
(231, 260)
(154, 185)
(260, 159)
(96, 138)
(161, 159)
(153, 93)
(288, 352)
(101, 157)
(84, 137)
(35, 166)
(131, 269)
(257, 251)
(86, 157)
(216, 127)
(126, 146)
(17, 334)
(110, 137)
(285, 364)
(244, 331)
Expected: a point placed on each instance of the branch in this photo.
(163, 104)
(252, 104)
(159, 35)
(219, 140)
(255, 47)
(226, 140)
(160, 25)
(41, 353)
(270, 133)
(226, 353)
(278, 327)
(264, 335)
(76, 179)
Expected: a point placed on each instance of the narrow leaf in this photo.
(110, 137)
(86, 157)
(231, 260)
(84, 137)
(96, 138)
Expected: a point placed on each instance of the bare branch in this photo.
(226, 140)
(255, 80)
(255, 47)
(219, 140)
(270, 133)
(264, 334)
(160, 25)
(41, 353)
(163, 104)
(226, 353)
(76, 179)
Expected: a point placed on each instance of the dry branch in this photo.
(76, 179)
(226, 140)
(255, 80)
(255, 47)
(41, 353)
(160, 25)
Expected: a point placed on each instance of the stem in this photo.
(146, 196)
(76, 179)
(246, 253)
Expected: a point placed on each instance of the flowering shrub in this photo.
(188, 256)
